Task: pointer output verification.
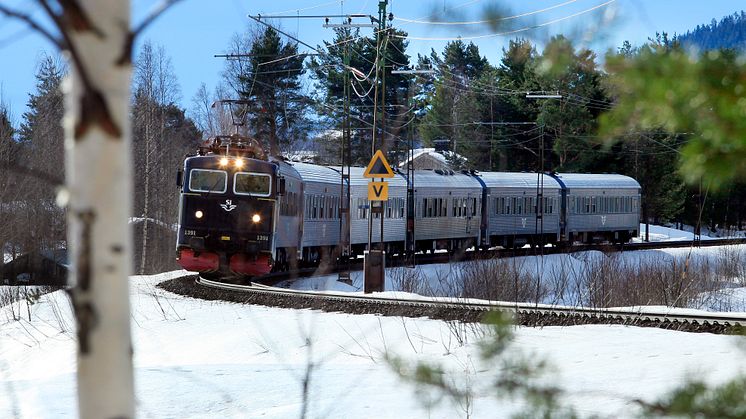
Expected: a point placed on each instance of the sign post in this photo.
(378, 194)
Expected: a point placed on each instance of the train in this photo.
(243, 213)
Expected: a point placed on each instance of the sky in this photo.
(193, 31)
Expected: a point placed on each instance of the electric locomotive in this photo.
(227, 208)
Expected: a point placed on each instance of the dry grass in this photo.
(597, 280)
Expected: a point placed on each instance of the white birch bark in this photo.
(98, 170)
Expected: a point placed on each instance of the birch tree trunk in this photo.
(97, 142)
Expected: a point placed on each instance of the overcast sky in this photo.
(194, 30)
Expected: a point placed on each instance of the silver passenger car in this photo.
(289, 225)
(321, 199)
(394, 210)
(448, 210)
(600, 206)
(511, 209)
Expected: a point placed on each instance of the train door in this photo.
(469, 205)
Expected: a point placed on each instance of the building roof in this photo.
(441, 156)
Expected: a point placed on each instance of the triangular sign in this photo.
(378, 167)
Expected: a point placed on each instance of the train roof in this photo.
(596, 181)
(357, 179)
(315, 173)
(516, 180)
(444, 179)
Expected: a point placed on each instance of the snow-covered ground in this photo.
(197, 358)
(660, 233)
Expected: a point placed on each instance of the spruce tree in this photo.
(271, 82)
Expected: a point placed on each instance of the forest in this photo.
(728, 33)
(480, 111)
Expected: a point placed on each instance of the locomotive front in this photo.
(226, 214)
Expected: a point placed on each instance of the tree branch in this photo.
(126, 56)
(35, 173)
(33, 24)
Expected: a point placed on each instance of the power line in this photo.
(477, 22)
(511, 32)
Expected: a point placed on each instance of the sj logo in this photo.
(603, 220)
(523, 222)
(229, 205)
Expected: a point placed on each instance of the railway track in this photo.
(452, 309)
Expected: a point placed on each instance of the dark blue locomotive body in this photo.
(227, 212)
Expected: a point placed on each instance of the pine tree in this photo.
(328, 72)
(516, 145)
(454, 103)
(42, 138)
(271, 82)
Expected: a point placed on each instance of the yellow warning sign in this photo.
(378, 191)
(378, 167)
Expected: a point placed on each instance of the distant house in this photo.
(46, 267)
(429, 159)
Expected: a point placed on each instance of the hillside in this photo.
(729, 32)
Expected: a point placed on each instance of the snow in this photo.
(196, 358)
(730, 298)
(661, 233)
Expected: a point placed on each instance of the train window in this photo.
(204, 180)
(255, 184)
(474, 206)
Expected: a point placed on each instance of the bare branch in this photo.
(33, 24)
(35, 173)
(126, 56)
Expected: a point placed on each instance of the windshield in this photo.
(204, 180)
(258, 184)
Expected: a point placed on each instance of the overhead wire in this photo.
(510, 32)
(478, 22)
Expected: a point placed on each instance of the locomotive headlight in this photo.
(224, 161)
(198, 214)
(239, 163)
(256, 218)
